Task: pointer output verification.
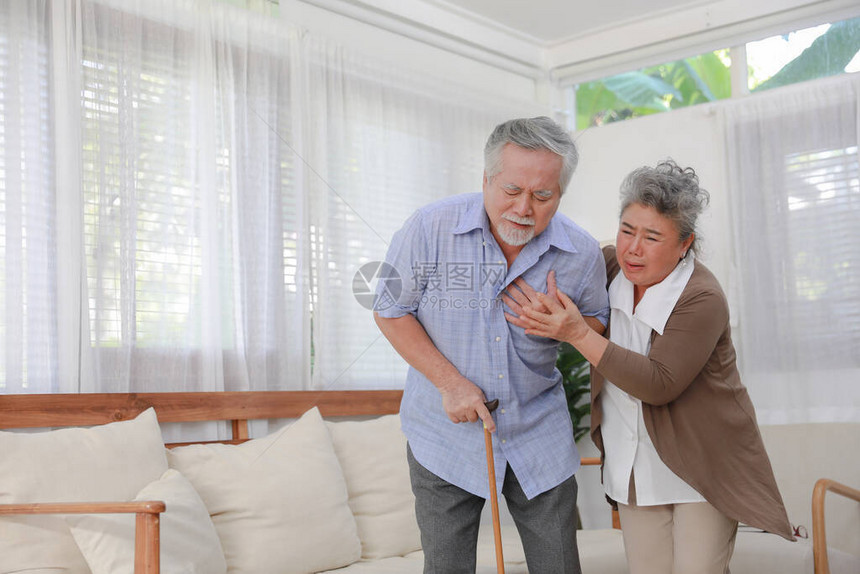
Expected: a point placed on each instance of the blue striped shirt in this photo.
(452, 273)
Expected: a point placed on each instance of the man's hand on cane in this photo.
(464, 401)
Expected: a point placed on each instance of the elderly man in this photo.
(458, 259)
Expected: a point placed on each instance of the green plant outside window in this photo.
(703, 78)
(804, 55)
(795, 57)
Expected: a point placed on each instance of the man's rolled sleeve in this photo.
(407, 249)
(594, 299)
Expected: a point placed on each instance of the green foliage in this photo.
(713, 74)
(640, 90)
(828, 55)
(576, 380)
(703, 78)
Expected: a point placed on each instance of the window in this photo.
(142, 246)
(28, 344)
(804, 55)
(795, 194)
(822, 263)
(225, 176)
(798, 231)
(703, 78)
(188, 206)
(385, 162)
(191, 223)
(797, 56)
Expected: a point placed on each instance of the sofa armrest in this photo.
(819, 538)
(146, 532)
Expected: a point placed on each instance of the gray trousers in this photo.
(448, 518)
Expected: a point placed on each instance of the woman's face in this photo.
(648, 246)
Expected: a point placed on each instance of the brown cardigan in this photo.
(696, 410)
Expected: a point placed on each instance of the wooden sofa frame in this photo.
(68, 410)
(819, 536)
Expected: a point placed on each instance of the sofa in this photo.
(323, 487)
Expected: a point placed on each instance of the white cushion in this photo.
(189, 543)
(410, 564)
(413, 563)
(279, 503)
(602, 551)
(110, 462)
(372, 454)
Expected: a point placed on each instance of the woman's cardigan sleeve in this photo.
(690, 336)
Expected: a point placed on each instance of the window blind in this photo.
(142, 245)
(822, 260)
(796, 200)
(28, 347)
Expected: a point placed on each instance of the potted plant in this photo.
(576, 380)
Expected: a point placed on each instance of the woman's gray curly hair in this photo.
(670, 189)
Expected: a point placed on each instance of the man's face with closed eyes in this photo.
(522, 198)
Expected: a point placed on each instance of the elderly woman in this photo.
(682, 455)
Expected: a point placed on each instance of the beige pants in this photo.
(692, 538)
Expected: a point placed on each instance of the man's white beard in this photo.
(515, 236)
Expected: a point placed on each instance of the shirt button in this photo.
(484, 243)
(502, 411)
(501, 376)
(498, 339)
(504, 441)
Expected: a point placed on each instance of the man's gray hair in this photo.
(534, 134)
(673, 191)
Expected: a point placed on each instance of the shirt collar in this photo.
(555, 236)
(475, 217)
(659, 300)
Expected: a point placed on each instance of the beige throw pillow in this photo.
(279, 503)
(189, 543)
(110, 462)
(372, 454)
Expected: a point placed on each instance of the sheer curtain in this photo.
(389, 144)
(28, 207)
(189, 188)
(189, 212)
(795, 192)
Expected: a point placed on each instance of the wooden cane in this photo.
(494, 498)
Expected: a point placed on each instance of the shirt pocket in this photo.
(538, 354)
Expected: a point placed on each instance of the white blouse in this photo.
(627, 446)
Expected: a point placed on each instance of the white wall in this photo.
(691, 136)
(408, 53)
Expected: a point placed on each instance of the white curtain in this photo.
(28, 207)
(794, 173)
(389, 144)
(189, 188)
